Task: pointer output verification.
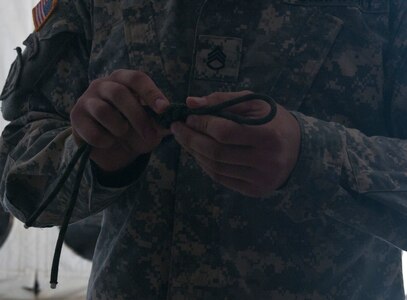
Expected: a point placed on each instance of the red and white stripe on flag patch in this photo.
(42, 11)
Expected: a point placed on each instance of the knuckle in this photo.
(96, 83)
(101, 110)
(117, 92)
(117, 73)
(152, 94)
(116, 88)
(136, 75)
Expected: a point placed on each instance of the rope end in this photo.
(53, 285)
(26, 226)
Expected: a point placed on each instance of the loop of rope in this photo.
(176, 112)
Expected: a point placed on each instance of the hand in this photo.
(253, 160)
(109, 116)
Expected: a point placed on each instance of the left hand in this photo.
(253, 160)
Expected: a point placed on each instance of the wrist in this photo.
(123, 176)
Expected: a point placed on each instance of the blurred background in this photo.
(26, 255)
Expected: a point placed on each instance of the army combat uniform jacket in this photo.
(333, 231)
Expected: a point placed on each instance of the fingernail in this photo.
(160, 104)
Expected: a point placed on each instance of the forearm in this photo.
(355, 179)
(33, 156)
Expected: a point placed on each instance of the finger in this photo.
(205, 145)
(107, 116)
(253, 108)
(86, 128)
(228, 132)
(126, 103)
(142, 86)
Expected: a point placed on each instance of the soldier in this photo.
(311, 205)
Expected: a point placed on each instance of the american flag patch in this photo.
(42, 11)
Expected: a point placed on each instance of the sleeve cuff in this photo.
(107, 187)
(316, 176)
(123, 177)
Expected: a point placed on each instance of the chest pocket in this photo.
(279, 51)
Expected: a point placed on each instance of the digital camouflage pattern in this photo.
(334, 231)
(81, 237)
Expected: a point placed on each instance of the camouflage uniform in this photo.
(334, 231)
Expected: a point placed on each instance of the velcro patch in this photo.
(42, 11)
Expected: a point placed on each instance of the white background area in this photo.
(29, 251)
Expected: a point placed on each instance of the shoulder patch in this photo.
(42, 11)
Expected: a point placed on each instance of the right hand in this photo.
(109, 117)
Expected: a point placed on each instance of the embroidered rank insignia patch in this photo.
(218, 58)
(42, 11)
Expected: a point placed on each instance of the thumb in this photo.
(196, 102)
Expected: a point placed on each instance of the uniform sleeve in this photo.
(350, 177)
(43, 84)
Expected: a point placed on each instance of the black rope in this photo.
(176, 112)
(44, 204)
(68, 215)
